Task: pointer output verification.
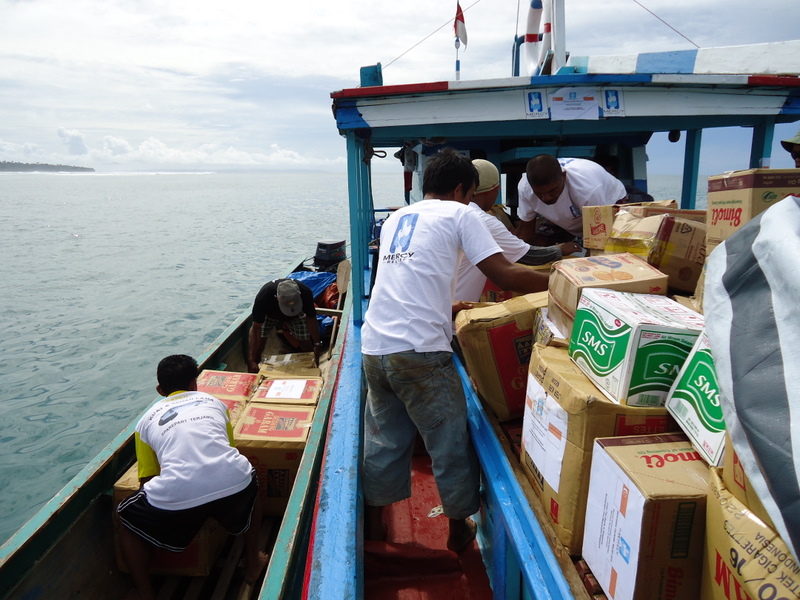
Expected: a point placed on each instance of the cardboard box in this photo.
(298, 365)
(235, 408)
(289, 391)
(545, 331)
(564, 414)
(624, 272)
(737, 483)
(227, 384)
(272, 437)
(743, 558)
(632, 346)
(196, 560)
(736, 197)
(598, 220)
(496, 342)
(694, 402)
(647, 501)
(674, 245)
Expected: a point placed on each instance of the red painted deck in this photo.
(414, 563)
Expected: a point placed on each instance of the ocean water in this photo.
(105, 274)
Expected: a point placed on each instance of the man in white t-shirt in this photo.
(190, 471)
(412, 383)
(471, 281)
(557, 189)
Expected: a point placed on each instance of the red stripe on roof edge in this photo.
(779, 80)
(388, 90)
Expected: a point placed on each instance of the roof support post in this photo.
(360, 218)
(761, 147)
(691, 164)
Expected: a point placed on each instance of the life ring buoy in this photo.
(538, 35)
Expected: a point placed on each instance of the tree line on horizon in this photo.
(26, 167)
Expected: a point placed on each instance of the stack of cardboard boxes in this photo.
(271, 413)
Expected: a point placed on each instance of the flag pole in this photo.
(458, 62)
(460, 30)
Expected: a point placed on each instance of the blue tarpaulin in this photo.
(318, 281)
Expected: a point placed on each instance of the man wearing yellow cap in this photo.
(471, 280)
(792, 146)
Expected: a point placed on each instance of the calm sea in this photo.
(105, 274)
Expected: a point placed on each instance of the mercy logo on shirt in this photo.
(403, 233)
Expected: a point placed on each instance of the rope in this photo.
(665, 23)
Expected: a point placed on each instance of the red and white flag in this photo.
(459, 25)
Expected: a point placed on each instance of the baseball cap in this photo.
(289, 300)
(488, 175)
(788, 145)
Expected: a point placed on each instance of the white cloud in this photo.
(243, 82)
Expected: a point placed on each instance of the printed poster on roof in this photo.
(574, 103)
(536, 106)
(612, 102)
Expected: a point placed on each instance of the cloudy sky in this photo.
(123, 85)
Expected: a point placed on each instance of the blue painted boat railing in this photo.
(519, 560)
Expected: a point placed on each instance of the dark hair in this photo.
(446, 170)
(543, 169)
(175, 373)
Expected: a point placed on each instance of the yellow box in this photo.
(623, 272)
(598, 220)
(196, 560)
(744, 558)
(496, 342)
(289, 391)
(735, 198)
(272, 437)
(564, 413)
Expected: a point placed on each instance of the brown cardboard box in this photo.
(545, 331)
(624, 272)
(598, 220)
(647, 501)
(289, 391)
(492, 293)
(737, 483)
(736, 197)
(198, 558)
(564, 414)
(272, 437)
(496, 341)
(235, 408)
(227, 384)
(744, 559)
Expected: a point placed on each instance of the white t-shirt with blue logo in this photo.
(411, 303)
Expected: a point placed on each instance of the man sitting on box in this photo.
(556, 189)
(190, 471)
(279, 302)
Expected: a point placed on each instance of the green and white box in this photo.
(632, 346)
(694, 402)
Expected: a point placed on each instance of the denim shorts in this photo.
(409, 392)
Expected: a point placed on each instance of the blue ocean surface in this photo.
(105, 274)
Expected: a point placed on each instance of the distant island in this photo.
(28, 167)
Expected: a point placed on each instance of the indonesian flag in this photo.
(459, 25)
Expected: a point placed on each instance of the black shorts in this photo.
(175, 529)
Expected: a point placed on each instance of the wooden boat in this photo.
(507, 121)
(66, 550)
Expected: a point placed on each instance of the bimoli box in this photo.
(694, 402)
(647, 501)
(736, 197)
(299, 365)
(196, 560)
(737, 483)
(598, 220)
(632, 346)
(272, 437)
(744, 558)
(227, 384)
(289, 391)
(496, 341)
(564, 414)
(624, 272)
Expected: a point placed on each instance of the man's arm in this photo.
(516, 278)
(525, 230)
(256, 345)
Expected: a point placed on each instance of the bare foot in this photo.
(253, 571)
(462, 532)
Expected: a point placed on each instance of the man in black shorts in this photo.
(190, 471)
